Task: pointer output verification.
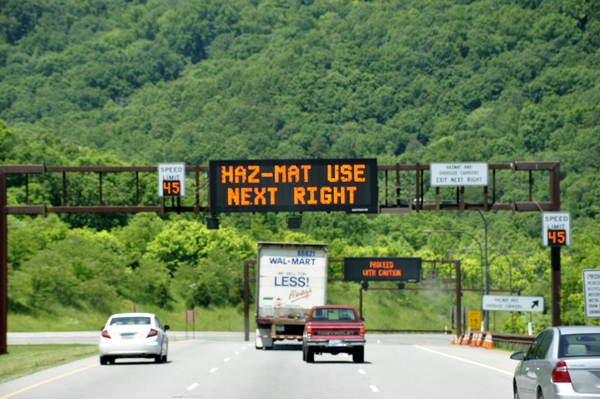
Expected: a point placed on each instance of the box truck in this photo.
(291, 279)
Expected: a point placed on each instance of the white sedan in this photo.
(133, 335)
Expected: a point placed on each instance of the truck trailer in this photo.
(291, 279)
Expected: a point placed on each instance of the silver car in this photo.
(562, 362)
(133, 335)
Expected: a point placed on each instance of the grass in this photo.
(381, 309)
(22, 360)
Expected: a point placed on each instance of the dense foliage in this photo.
(139, 82)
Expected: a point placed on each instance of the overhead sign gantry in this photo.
(332, 189)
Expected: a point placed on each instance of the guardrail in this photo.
(513, 338)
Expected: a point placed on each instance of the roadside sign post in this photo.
(591, 294)
(190, 317)
(556, 233)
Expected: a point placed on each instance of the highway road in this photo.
(395, 366)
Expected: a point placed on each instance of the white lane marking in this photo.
(361, 371)
(227, 359)
(464, 360)
(213, 370)
(192, 386)
(243, 347)
(237, 353)
(373, 388)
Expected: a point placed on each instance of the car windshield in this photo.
(333, 314)
(575, 345)
(129, 321)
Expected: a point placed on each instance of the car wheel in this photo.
(516, 393)
(164, 359)
(540, 395)
(359, 354)
(157, 359)
(310, 355)
(103, 360)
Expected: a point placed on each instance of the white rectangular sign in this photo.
(458, 174)
(556, 228)
(591, 293)
(513, 303)
(171, 179)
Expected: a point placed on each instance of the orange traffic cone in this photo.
(475, 337)
(488, 343)
(465, 340)
(479, 339)
(452, 340)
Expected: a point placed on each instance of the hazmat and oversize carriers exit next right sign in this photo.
(458, 174)
(382, 269)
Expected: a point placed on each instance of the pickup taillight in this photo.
(308, 332)
(362, 332)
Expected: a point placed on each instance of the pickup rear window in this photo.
(333, 315)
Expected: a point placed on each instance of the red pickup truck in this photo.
(333, 329)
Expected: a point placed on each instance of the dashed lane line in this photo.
(226, 359)
(237, 353)
(191, 387)
(462, 360)
(373, 388)
(214, 369)
(361, 371)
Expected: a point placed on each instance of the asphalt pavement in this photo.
(407, 366)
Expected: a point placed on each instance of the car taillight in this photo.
(152, 333)
(560, 373)
(105, 334)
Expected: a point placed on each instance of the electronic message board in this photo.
(382, 269)
(348, 185)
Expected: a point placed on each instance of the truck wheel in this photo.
(359, 355)
(310, 355)
(303, 354)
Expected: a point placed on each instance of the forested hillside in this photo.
(140, 82)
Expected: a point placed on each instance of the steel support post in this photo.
(3, 267)
(555, 251)
(360, 290)
(555, 260)
(458, 297)
(246, 302)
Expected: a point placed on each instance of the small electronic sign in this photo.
(557, 238)
(382, 269)
(556, 229)
(171, 188)
(348, 185)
